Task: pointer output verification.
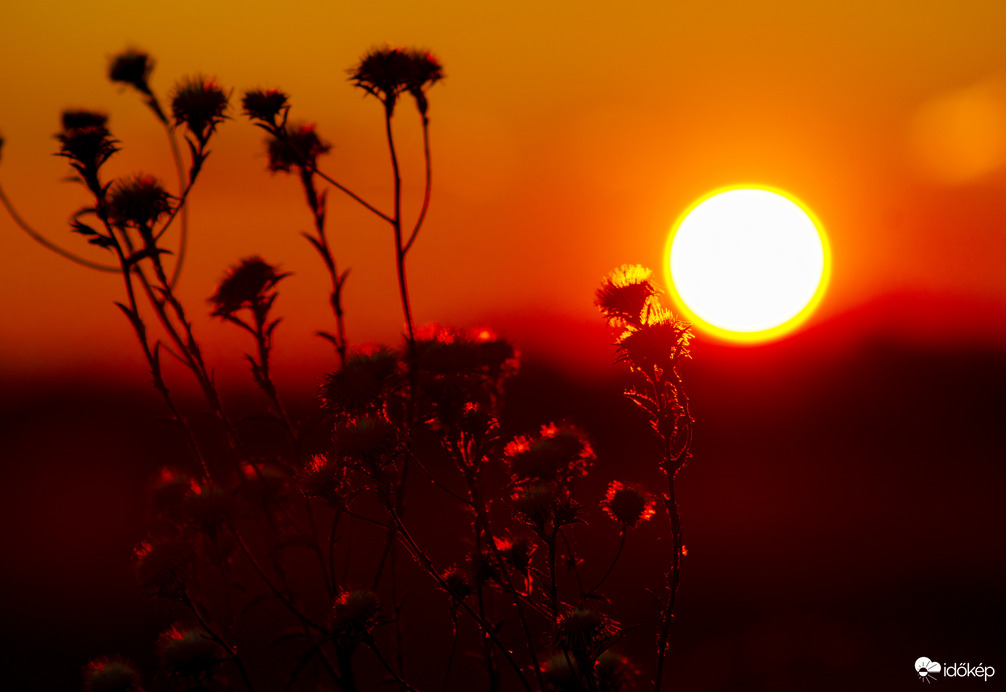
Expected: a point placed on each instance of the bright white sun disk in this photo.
(746, 263)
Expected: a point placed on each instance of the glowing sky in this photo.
(567, 138)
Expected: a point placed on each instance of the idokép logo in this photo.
(929, 671)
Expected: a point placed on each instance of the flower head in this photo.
(85, 140)
(387, 72)
(559, 453)
(138, 201)
(626, 296)
(661, 341)
(628, 504)
(162, 566)
(187, 651)
(248, 284)
(299, 146)
(200, 104)
(458, 584)
(264, 104)
(111, 674)
(324, 479)
(355, 613)
(132, 67)
(363, 384)
(614, 672)
(585, 633)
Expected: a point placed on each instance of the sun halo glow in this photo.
(747, 264)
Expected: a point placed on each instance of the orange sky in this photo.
(567, 138)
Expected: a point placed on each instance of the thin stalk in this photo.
(611, 567)
(232, 650)
(573, 563)
(423, 559)
(38, 237)
(342, 188)
(387, 666)
(399, 249)
(428, 187)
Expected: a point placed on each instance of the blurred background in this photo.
(842, 511)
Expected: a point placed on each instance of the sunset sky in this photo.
(567, 137)
(842, 475)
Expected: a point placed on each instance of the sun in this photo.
(747, 264)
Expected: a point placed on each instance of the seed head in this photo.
(248, 284)
(387, 72)
(200, 104)
(298, 147)
(132, 67)
(138, 201)
(85, 140)
(111, 674)
(264, 104)
(355, 613)
(626, 296)
(187, 651)
(628, 504)
(559, 453)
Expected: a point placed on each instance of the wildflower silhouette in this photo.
(652, 342)
(254, 532)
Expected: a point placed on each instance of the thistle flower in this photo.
(324, 479)
(536, 505)
(516, 551)
(559, 676)
(86, 141)
(188, 651)
(162, 566)
(169, 489)
(138, 201)
(628, 504)
(111, 674)
(132, 67)
(559, 453)
(248, 284)
(371, 439)
(626, 296)
(298, 147)
(81, 119)
(585, 634)
(207, 508)
(425, 71)
(355, 614)
(264, 104)
(200, 104)
(458, 584)
(661, 341)
(363, 385)
(614, 672)
(264, 481)
(387, 72)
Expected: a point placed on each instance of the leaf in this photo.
(82, 228)
(328, 337)
(272, 325)
(133, 318)
(317, 245)
(102, 241)
(145, 253)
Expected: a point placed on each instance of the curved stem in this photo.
(48, 244)
(183, 239)
(399, 250)
(427, 188)
(611, 567)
